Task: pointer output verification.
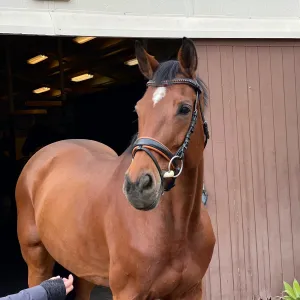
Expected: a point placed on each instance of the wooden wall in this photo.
(252, 166)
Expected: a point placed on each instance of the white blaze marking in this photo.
(159, 94)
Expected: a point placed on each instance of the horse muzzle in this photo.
(144, 193)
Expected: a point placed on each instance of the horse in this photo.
(134, 222)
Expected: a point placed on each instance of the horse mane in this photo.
(168, 70)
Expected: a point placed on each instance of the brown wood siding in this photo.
(252, 167)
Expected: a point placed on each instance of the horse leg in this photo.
(194, 294)
(39, 262)
(130, 294)
(83, 289)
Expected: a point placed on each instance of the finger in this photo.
(71, 277)
(69, 289)
(67, 282)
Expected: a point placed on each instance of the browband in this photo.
(190, 82)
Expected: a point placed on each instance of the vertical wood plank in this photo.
(292, 140)
(251, 221)
(245, 163)
(295, 202)
(282, 165)
(220, 171)
(214, 269)
(261, 275)
(270, 168)
(233, 176)
(207, 286)
(203, 74)
(204, 297)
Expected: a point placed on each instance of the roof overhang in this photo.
(94, 24)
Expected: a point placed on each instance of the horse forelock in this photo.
(170, 70)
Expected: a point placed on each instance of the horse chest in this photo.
(159, 274)
(151, 267)
(180, 275)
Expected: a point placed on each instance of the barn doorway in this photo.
(54, 88)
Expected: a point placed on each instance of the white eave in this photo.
(116, 25)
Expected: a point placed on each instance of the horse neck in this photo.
(184, 201)
(186, 197)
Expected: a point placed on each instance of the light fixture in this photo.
(41, 90)
(37, 59)
(30, 112)
(102, 81)
(82, 77)
(83, 39)
(131, 62)
(43, 103)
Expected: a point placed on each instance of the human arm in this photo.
(52, 289)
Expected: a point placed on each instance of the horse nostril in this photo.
(146, 182)
(127, 184)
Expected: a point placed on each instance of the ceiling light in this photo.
(131, 62)
(43, 103)
(102, 80)
(82, 77)
(30, 112)
(36, 59)
(41, 90)
(83, 39)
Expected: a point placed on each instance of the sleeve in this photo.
(55, 289)
(35, 293)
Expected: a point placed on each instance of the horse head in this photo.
(168, 113)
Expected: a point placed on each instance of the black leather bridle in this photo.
(147, 144)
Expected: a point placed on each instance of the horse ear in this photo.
(147, 63)
(187, 57)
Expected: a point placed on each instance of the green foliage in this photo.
(291, 292)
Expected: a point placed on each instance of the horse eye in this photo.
(184, 110)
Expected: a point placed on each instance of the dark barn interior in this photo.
(45, 101)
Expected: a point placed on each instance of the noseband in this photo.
(175, 160)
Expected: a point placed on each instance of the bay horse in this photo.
(120, 221)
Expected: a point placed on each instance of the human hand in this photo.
(67, 281)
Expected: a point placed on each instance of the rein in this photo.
(148, 144)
